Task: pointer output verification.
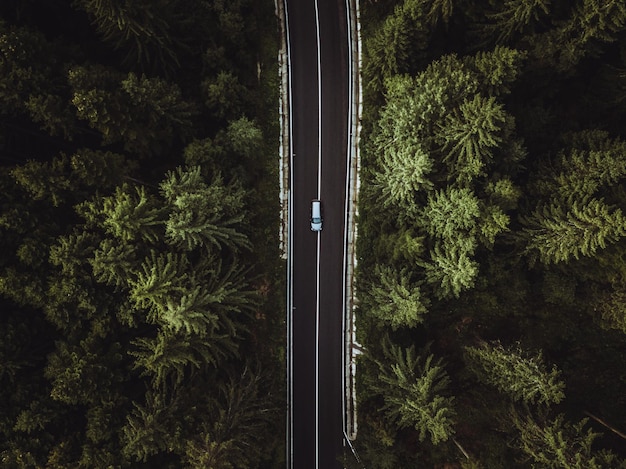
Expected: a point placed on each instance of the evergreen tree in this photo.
(152, 428)
(451, 269)
(556, 443)
(514, 16)
(396, 45)
(132, 213)
(412, 387)
(590, 161)
(393, 300)
(224, 95)
(203, 214)
(450, 213)
(470, 134)
(144, 31)
(521, 375)
(404, 173)
(170, 357)
(146, 114)
(498, 69)
(556, 234)
(232, 435)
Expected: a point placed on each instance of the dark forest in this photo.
(492, 224)
(140, 277)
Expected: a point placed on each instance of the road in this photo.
(319, 77)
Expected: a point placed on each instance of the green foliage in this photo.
(514, 16)
(142, 30)
(450, 213)
(151, 428)
(522, 375)
(469, 134)
(497, 69)
(394, 300)
(224, 95)
(403, 174)
(412, 387)
(232, 435)
(590, 162)
(557, 443)
(555, 233)
(203, 214)
(451, 269)
(145, 114)
(492, 163)
(393, 48)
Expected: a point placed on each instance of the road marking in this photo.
(345, 224)
(289, 256)
(319, 194)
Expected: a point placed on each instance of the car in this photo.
(316, 215)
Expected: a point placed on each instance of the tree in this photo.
(470, 134)
(152, 428)
(412, 386)
(404, 172)
(131, 214)
(514, 16)
(224, 95)
(203, 214)
(589, 162)
(144, 31)
(145, 114)
(398, 45)
(555, 233)
(451, 269)
(522, 375)
(450, 213)
(557, 443)
(394, 300)
(231, 435)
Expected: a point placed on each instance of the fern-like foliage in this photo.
(412, 386)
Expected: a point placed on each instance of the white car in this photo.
(316, 215)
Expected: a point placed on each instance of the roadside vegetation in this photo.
(141, 287)
(492, 235)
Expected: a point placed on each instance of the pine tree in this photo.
(451, 269)
(557, 443)
(404, 172)
(143, 30)
(170, 357)
(26, 64)
(244, 137)
(394, 300)
(132, 214)
(556, 234)
(412, 387)
(523, 376)
(161, 278)
(514, 16)
(232, 434)
(145, 114)
(203, 214)
(589, 162)
(152, 427)
(450, 213)
(396, 44)
(470, 134)
(113, 262)
(224, 95)
(496, 70)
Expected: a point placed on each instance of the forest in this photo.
(141, 284)
(491, 274)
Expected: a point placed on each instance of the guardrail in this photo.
(351, 346)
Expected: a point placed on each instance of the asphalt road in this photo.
(318, 171)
